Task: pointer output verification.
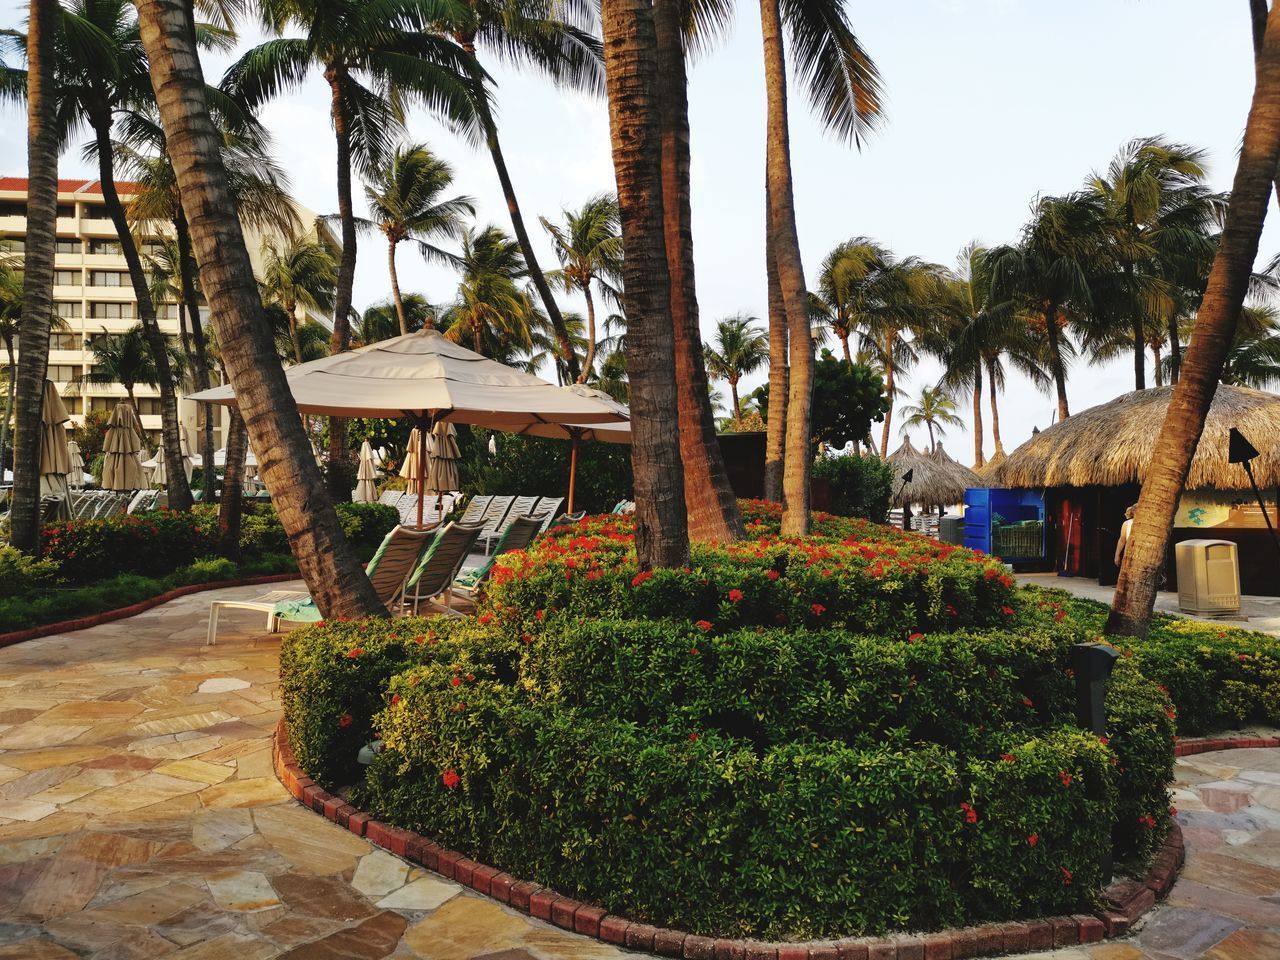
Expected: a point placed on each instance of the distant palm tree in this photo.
(933, 410)
(405, 199)
(589, 246)
(298, 272)
(126, 359)
(490, 301)
(11, 281)
(738, 348)
(382, 321)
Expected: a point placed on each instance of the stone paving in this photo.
(139, 818)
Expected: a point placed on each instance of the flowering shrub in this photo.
(149, 544)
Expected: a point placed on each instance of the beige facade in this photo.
(93, 295)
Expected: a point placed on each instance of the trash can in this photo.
(1208, 576)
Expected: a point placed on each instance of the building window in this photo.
(67, 309)
(13, 244)
(111, 247)
(64, 341)
(108, 278)
(103, 403)
(96, 211)
(72, 404)
(66, 278)
(111, 311)
(149, 406)
(67, 210)
(68, 245)
(151, 248)
(63, 372)
(166, 311)
(13, 209)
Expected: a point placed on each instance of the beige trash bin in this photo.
(1208, 576)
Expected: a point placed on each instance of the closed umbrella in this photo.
(76, 477)
(366, 476)
(442, 467)
(121, 465)
(55, 462)
(159, 476)
(414, 467)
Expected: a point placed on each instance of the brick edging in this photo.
(1123, 901)
(107, 616)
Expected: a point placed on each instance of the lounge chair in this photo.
(520, 507)
(435, 570)
(473, 516)
(546, 510)
(518, 535)
(388, 571)
(565, 518)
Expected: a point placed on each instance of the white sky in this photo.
(989, 102)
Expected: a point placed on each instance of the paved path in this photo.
(139, 818)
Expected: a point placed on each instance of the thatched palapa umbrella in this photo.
(933, 481)
(121, 466)
(1112, 444)
(961, 476)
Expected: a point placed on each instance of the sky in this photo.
(988, 104)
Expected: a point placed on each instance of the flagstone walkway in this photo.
(139, 818)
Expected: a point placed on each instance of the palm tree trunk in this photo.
(779, 375)
(232, 506)
(395, 287)
(995, 409)
(591, 334)
(1139, 356)
(888, 392)
(932, 444)
(630, 57)
(37, 280)
(844, 345)
(1175, 352)
(979, 457)
(713, 511)
(332, 572)
(133, 402)
(10, 388)
(1052, 333)
(1155, 362)
(1215, 328)
(341, 340)
(737, 405)
(187, 270)
(179, 490)
(782, 214)
(291, 308)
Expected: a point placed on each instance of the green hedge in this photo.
(859, 486)
(148, 544)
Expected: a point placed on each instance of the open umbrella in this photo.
(121, 465)
(429, 379)
(55, 462)
(575, 433)
(76, 477)
(366, 476)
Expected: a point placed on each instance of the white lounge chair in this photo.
(490, 532)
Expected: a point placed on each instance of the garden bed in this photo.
(858, 732)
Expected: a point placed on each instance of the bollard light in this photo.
(1092, 664)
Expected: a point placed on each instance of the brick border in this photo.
(1123, 902)
(107, 616)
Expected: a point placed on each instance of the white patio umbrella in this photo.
(617, 432)
(55, 462)
(75, 478)
(366, 476)
(429, 379)
(121, 465)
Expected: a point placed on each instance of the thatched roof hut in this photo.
(935, 480)
(1111, 444)
(987, 470)
(962, 476)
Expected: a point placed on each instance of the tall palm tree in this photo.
(933, 410)
(126, 359)
(1050, 272)
(298, 271)
(738, 348)
(1158, 215)
(1216, 323)
(382, 320)
(631, 70)
(326, 561)
(405, 199)
(375, 58)
(43, 142)
(844, 86)
(855, 283)
(589, 247)
(491, 301)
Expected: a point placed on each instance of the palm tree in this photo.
(589, 247)
(297, 272)
(382, 320)
(126, 359)
(11, 283)
(405, 198)
(935, 411)
(855, 283)
(1157, 216)
(1216, 323)
(630, 49)
(739, 348)
(43, 142)
(490, 302)
(326, 561)
(844, 86)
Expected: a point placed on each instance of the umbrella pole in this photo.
(573, 465)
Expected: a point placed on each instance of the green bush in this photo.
(860, 486)
(20, 572)
(366, 524)
(148, 544)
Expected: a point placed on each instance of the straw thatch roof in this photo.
(1112, 444)
(935, 479)
(987, 470)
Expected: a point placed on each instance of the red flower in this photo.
(1033, 839)
(641, 577)
(1026, 702)
(1007, 611)
(1242, 657)
(1066, 876)
(1171, 713)
(354, 652)
(1147, 821)
(471, 678)
(485, 617)
(456, 681)
(914, 637)
(1064, 777)
(817, 609)
(773, 574)
(1105, 741)
(693, 737)
(703, 625)
(693, 651)
(526, 637)
(419, 640)
(1007, 757)
(344, 720)
(395, 699)
(1060, 616)
(735, 596)
(970, 814)
(1173, 811)
(539, 615)
(450, 779)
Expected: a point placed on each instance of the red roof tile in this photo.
(69, 186)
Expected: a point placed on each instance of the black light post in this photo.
(1241, 451)
(1092, 663)
(906, 507)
